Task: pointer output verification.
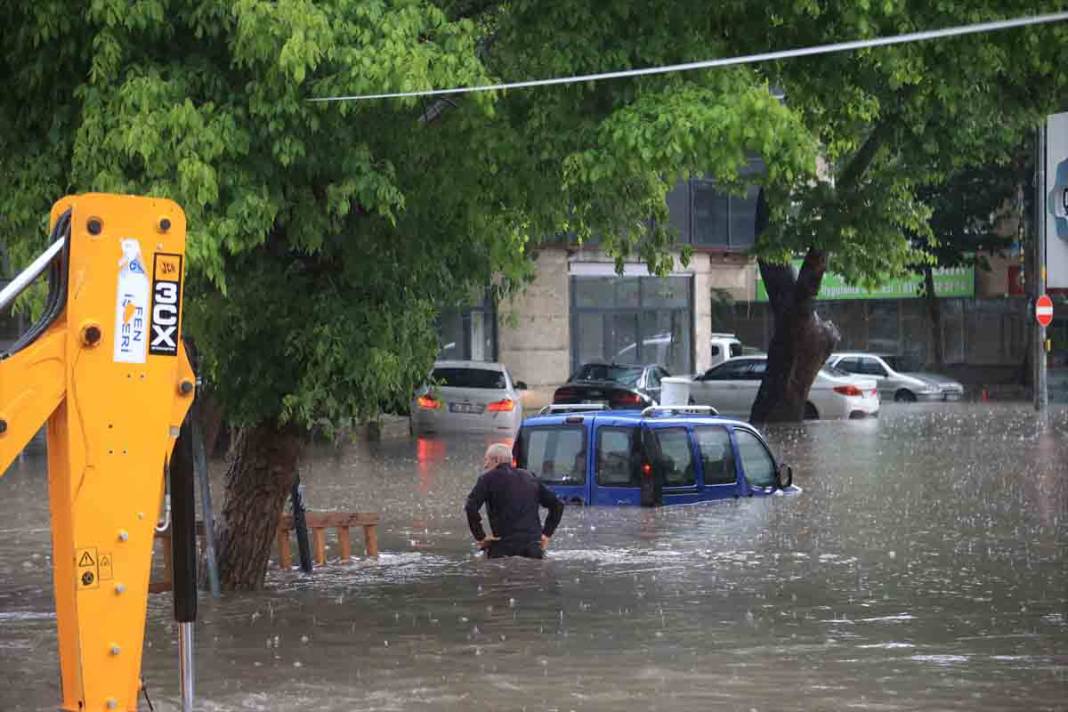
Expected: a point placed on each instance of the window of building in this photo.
(632, 320)
(676, 457)
(469, 334)
(757, 462)
(717, 457)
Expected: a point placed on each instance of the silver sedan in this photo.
(468, 396)
(894, 382)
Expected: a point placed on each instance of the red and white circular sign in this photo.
(1044, 310)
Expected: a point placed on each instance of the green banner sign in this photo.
(949, 282)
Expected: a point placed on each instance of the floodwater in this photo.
(923, 568)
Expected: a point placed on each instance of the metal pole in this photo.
(300, 525)
(26, 276)
(1041, 392)
(185, 664)
(184, 556)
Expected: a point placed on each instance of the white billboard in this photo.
(1056, 195)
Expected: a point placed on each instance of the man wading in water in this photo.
(512, 498)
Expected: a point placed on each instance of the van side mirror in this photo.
(521, 385)
(784, 476)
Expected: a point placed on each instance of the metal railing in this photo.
(679, 410)
(571, 408)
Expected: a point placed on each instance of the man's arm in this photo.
(550, 501)
(475, 500)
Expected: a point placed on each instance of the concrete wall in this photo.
(534, 334)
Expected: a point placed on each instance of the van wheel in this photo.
(811, 413)
(904, 396)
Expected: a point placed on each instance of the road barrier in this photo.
(318, 523)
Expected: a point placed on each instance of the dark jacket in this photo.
(512, 498)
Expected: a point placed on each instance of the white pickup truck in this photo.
(724, 346)
(675, 390)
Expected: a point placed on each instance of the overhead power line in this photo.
(973, 29)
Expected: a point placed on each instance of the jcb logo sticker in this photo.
(166, 305)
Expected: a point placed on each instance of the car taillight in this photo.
(848, 390)
(627, 399)
(501, 406)
(428, 402)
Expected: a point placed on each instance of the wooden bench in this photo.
(318, 523)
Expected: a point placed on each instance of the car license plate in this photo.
(466, 408)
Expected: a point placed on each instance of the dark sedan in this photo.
(614, 385)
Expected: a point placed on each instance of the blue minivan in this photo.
(661, 455)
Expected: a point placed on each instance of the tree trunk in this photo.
(800, 343)
(257, 483)
(934, 312)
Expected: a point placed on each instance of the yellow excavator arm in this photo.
(106, 370)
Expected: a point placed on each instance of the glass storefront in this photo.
(633, 320)
(469, 334)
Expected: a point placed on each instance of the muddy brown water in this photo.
(922, 568)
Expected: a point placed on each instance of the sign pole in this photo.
(1041, 394)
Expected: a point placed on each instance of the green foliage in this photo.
(897, 123)
(313, 282)
(324, 238)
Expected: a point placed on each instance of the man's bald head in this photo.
(497, 454)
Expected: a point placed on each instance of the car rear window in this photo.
(468, 378)
(624, 375)
(556, 454)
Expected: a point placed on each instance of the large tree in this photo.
(315, 274)
(895, 125)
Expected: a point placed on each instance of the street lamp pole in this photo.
(1041, 393)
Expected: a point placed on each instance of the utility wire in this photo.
(972, 29)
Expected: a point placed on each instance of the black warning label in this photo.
(87, 570)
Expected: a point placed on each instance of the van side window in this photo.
(717, 457)
(618, 457)
(757, 462)
(676, 457)
(556, 454)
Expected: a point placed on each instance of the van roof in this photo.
(626, 416)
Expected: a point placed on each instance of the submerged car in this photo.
(614, 385)
(895, 381)
(732, 386)
(470, 396)
(661, 455)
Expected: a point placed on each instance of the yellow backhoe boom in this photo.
(108, 375)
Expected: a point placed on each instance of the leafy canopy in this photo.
(324, 238)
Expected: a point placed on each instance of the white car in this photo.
(468, 396)
(732, 386)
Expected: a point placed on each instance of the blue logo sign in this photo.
(1058, 200)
